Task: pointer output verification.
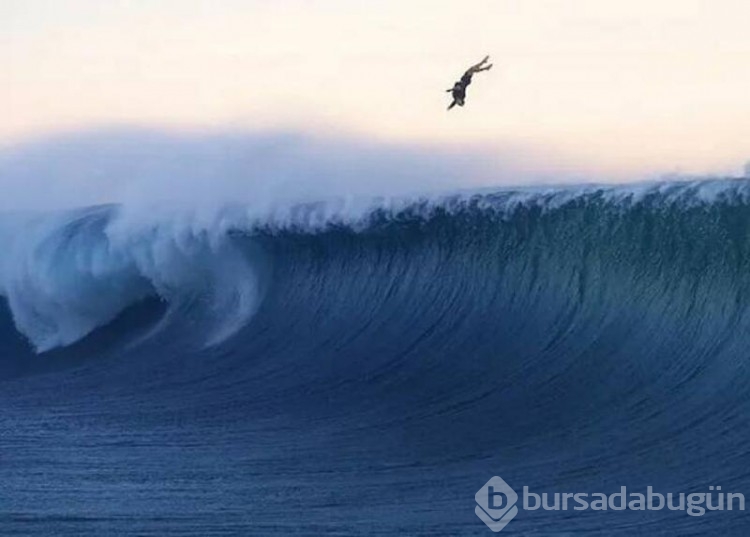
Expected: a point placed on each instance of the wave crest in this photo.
(64, 275)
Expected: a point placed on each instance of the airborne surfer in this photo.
(459, 88)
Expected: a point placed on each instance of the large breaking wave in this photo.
(388, 357)
(67, 274)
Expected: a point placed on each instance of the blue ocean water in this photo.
(328, 374)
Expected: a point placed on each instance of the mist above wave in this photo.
(141, 166)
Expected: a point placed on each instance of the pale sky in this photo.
(616, 85)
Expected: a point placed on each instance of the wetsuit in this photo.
(459, 89)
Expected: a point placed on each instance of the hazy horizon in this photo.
(619, 90)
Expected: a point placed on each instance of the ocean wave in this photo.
(65, 274)
(372, 363)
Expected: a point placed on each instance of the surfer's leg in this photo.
(478, 67)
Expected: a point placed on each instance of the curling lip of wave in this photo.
(66, 274)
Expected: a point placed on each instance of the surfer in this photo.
(459, 88)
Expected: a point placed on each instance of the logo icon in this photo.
(496, 504)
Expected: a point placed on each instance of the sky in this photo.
(618, 87)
